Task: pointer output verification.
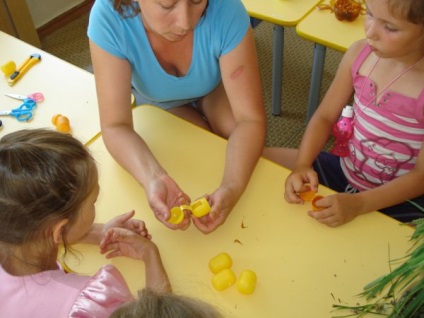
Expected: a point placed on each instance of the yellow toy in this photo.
(246, 282)
(223, 279)
(198, 208)
(220, 262)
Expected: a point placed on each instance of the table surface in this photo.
(303, 267)
(281, 12)
(322, 27)
(67, 89)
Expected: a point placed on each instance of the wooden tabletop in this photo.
(303, 267)
(68, 90)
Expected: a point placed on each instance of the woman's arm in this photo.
(241, 79)
(113, 84)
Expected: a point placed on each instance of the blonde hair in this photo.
(45, 177)
(152, 304)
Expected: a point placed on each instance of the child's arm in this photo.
(320, 126)
(344, 207)
(123, 242)
(98, 230)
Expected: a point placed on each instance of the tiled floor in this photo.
(70, 43)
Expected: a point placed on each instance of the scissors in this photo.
(23, 112)
(38, 97)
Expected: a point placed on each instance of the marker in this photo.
(29, 62)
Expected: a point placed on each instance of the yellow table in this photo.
(68, 90)
(303, 267)
(282, 13)
(322, 27)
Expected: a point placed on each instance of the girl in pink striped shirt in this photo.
(384, 168)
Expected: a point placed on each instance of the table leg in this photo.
(277, 69)
(316, 79)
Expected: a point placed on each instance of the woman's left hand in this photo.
(222, 202)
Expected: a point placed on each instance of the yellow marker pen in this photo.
(29, 62)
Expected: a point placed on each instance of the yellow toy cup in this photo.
(220, 262)
(223, 279)
(246, 283)
(8, 68)
(199, 208)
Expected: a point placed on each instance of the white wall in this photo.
(43, 11)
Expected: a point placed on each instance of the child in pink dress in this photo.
(384, 168)
(49, 185)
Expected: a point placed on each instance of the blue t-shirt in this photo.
(219, 31)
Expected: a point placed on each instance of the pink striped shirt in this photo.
(388, 133)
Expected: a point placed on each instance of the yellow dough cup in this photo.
(8, 68)
(246, 283)
(200, 207)
(176, 215)
(223, 279)
(220, 262)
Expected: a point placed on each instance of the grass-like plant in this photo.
(399, 294)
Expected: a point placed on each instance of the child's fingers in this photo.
(113, 254)
(123, 218)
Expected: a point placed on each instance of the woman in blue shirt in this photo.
(197, 60)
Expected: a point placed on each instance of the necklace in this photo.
(388, 84)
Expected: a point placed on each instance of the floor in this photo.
(71, 44)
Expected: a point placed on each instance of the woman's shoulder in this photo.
(226, 7)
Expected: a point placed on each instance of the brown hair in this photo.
(126, 8)
(45, 177)
(410, 10)
(152, 304)
(130, 8)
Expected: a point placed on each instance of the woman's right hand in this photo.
(299, 181)
(163, 194)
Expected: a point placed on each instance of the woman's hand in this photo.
(163, 194)
(222, 202)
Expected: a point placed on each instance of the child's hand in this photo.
(127, 222)
(341, 208)
(124, 242)
(298, 181)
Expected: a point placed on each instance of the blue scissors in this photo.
(23, 112)
(38, 97)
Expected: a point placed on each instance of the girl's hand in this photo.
(124, 242)
(297, 182)
(164, 194)
(341, 209)
(222, 202)
(127, 222)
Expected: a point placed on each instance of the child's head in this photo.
(46, 177)
(151, 304)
